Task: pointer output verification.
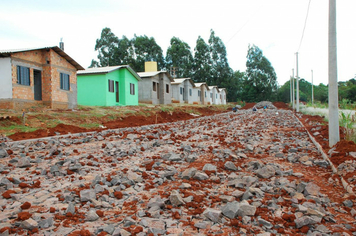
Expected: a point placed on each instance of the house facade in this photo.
(182, 91)
(38, 76)
(214, 95)
(108, 86)
(201, 95)
(222, 95)
(155, 86)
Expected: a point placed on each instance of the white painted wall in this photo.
(5, 78)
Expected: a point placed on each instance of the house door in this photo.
(117, 91)
(37, 85)
(158, 91)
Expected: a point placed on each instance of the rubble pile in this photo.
(238, 173)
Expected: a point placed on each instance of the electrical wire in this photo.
(305, 24)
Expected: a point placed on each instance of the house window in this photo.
(64, 84)
(154, 86)
(190, 92)
(198, 93)
(205, 94)
(216, 96)
(23, 75)
(132, 89)
(167, 88)
(211, 95)
(181, 90)
(111, 85)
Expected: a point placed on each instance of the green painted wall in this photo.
(93, 90)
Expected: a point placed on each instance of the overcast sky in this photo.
(275, 26)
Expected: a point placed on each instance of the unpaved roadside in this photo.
(243, 173)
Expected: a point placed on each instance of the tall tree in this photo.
(179, 59)
(220, 69)
(235, 87)
(106, 47)
(146, 49)
(202, 62)
(261, 80)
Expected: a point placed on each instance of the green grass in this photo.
(17, 128)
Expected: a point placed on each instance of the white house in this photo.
(222, 95)
(214, 94)
(182, 90)
(201, 93)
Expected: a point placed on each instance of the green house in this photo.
(108, 86)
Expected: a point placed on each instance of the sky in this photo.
(275, 26)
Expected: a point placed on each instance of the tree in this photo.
(145, 49)
(179, 56)
(234, 88)
(202, 62)
(220, 69)
(106, 47)
(261, 80)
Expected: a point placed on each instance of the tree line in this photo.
(207, 62)
(346, 91)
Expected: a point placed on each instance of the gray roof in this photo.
(8, 52)
(108, 69)
(154, 73)
(200, 84)
(181, 80)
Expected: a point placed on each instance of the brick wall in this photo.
(51, 65)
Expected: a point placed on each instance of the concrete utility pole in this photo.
(290, 90)
(312, 87)
(293, 93)
(297, 78)
(334, 135)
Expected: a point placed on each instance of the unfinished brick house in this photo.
(39, 76)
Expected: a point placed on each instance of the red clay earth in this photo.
(130, 121)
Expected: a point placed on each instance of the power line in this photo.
(305, 24)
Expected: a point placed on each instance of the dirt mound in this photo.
(281, 105)
(41, 133)
(183, 113)
(248, 105)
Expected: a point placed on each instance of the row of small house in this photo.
(48, 76)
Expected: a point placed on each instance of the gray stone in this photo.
(230, 166)
(29, 224)
(311, 189)
(209, 167)
(129, 221)
(70, 208)
(213, 215)
(45, 223)
(230, 209)
(92, 216)
(237, 193)
(188, 173)
(156, 201)
(348, 203)
(201, 176)
(87, 195)
(176, 199)
(24, 162)
(246, 209)
(321, 163)
(265, 223)
(156, 226)
(3, 153)
(54, 169)
(201, 225)
(266, 172)
(305, 220)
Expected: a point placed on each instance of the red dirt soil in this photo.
(129, 121)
